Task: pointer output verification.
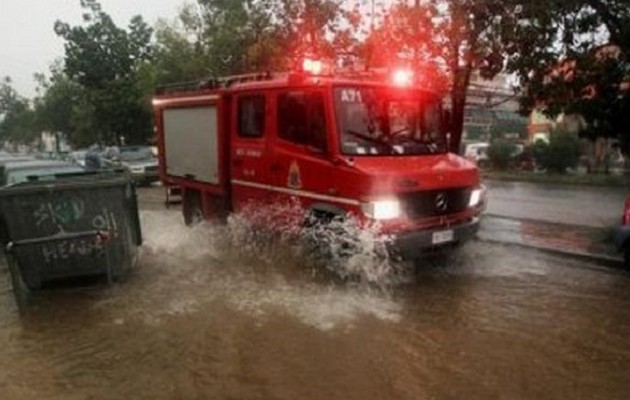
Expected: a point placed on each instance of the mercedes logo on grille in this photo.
(441, 202)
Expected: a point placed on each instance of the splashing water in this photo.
(187, 268)
(276, 235)
(348, 249)
(353, 251)
(165, 234)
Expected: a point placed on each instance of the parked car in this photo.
(478, 153)
(78, 157)
(13, 173)
(138, 160)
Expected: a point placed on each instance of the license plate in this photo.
(442, 237)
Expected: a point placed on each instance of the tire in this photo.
(328, 246)
(316, 237)
(193, 213)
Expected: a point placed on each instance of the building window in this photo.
(251, 116)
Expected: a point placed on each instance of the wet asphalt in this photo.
(208, 313)
(565, 204)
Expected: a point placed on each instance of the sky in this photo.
(28, 44)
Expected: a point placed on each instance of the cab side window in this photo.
(302, 119)
(251, 116)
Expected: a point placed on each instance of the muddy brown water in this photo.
(199, 319)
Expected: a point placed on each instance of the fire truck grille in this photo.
(436, 202)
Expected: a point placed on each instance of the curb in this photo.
(506, 230)
(541, 221)
(601, 259)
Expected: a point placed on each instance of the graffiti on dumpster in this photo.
(106, 221)
(59, 213)
(65, 249)
(63, 216)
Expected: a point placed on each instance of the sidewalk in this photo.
(571, 240)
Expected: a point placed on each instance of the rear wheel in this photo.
(193, 212)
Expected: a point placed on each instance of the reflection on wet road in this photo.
(201, 319)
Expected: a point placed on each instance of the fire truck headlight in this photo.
(382, 209)
(477, 196)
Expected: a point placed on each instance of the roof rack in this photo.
(214, 83)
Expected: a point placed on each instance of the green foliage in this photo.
(108, 63)
(500, 154)
(109, 72)
(55, 107)
(225, 37)
(459, 36)
(562, 152)
(573, 57)
(16, 115)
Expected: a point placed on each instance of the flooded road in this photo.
(200, 319)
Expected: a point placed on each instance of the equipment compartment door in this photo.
(191, 141)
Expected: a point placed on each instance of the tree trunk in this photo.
(459, 93)
(457, 123)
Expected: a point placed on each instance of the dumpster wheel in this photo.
(20, 290)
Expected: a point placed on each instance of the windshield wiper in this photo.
(431, 145)
(370, 139)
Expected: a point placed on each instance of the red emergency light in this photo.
(402, 77)
(315, 67)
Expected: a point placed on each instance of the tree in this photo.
(319, 27)
(574, 58)
(16, 115)
(55, 106)
(224, 37)
(455, 36)
(107, 62)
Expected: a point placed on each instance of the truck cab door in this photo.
(300, 166)
(249, 157)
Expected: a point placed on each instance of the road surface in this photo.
(576, 205)
(219, 313)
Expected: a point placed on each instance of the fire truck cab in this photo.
(339, 145)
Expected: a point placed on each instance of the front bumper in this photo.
(414, 244)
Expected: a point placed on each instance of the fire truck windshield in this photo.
(377, 121)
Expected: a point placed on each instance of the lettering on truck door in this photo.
(249, 154)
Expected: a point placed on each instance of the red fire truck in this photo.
(342, 145)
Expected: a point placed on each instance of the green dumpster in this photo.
(71, 227)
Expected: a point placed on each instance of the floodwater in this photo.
(206, 317)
